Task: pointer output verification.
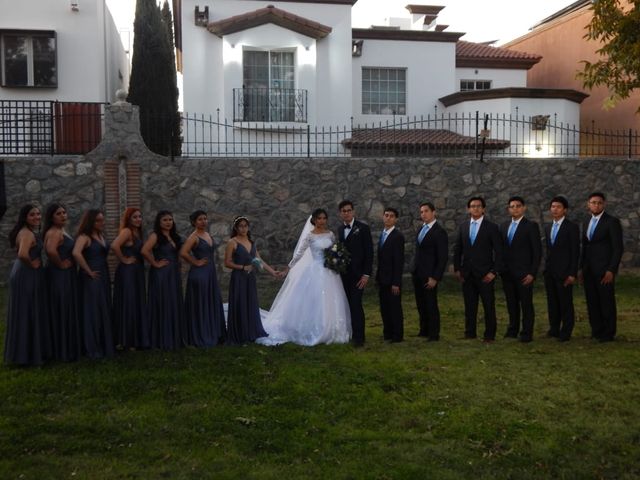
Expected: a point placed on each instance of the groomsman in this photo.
(522, 248)
(356, 237)
(477, 257)
(601, 253)
(561, 268)
(432, 252)
(389, 276)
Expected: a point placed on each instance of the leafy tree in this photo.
(153, 85)
(616, 26)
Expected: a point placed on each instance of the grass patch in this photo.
(447, 410)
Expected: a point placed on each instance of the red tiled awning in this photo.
(269, 14)
(416, 139)
(469, 54)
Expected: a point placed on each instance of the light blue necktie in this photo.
(592, 227)
(554, 232)
(383, 237)
(423, 232)
(512, 231)
(473, 231)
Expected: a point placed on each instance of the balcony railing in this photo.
(269, 105)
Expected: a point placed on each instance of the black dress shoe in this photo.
(357, 344)
(552, 335)
(563, 339)
(510, 335)
(470, 337)
(525, 339)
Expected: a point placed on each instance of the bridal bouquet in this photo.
(337, 258)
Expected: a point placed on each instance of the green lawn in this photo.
(447, 410)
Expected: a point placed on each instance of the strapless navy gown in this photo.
(243, 319)
(130, 319)
(27, 340)
(204, 313)
(62, 293)
(165, 299)
(94, 303)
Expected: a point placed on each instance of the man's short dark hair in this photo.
(480, 199)
(431, 206)
(560, 199)
(344, 203)
(392, 210)
(516, 198)
(597, 194)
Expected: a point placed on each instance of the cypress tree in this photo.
(152, 85)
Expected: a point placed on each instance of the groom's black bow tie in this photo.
(347, 226)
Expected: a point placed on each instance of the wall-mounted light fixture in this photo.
(356, 48)
(75, 6)
(201, 17)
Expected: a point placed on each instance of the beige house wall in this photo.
(563, 46)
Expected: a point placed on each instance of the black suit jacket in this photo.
(563, 256)
(431, 254)
(484, 256)
(603, 252)
(391, 259)
(523, 256)
(360, 247)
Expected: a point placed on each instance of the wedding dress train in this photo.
(311, 307)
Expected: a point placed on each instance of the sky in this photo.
(481, 20)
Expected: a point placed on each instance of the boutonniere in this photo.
(355, 231)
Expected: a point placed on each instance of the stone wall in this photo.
(278, 194)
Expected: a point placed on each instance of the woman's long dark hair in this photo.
(88, 222)
(20, 223)
(194, 216)
(234, 227)
(173, 233)
(316, 213)
(48, 217)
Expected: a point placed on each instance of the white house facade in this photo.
(268, 71)
(60, 50)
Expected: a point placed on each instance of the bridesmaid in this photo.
(203, 303)
(94, 286)
(61, 277)
(165, 283)
(130, 320)
(27, 338)
(243, 319)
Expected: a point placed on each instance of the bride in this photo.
(311, 307)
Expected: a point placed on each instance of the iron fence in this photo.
(29, 127)
(45, 127)
(431, 135)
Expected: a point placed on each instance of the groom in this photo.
(356, 237)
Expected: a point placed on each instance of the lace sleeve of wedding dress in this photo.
(302, 247)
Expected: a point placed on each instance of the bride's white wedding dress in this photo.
(311, 307)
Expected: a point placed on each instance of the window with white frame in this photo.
(28, 58)
(468, 85)
(268, 86)
(384, 91)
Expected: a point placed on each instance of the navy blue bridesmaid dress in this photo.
(243, 320)
(94, 303)
(130, 319)
(165, 299)
(27, 340)
(204, 313)
(62, 293)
